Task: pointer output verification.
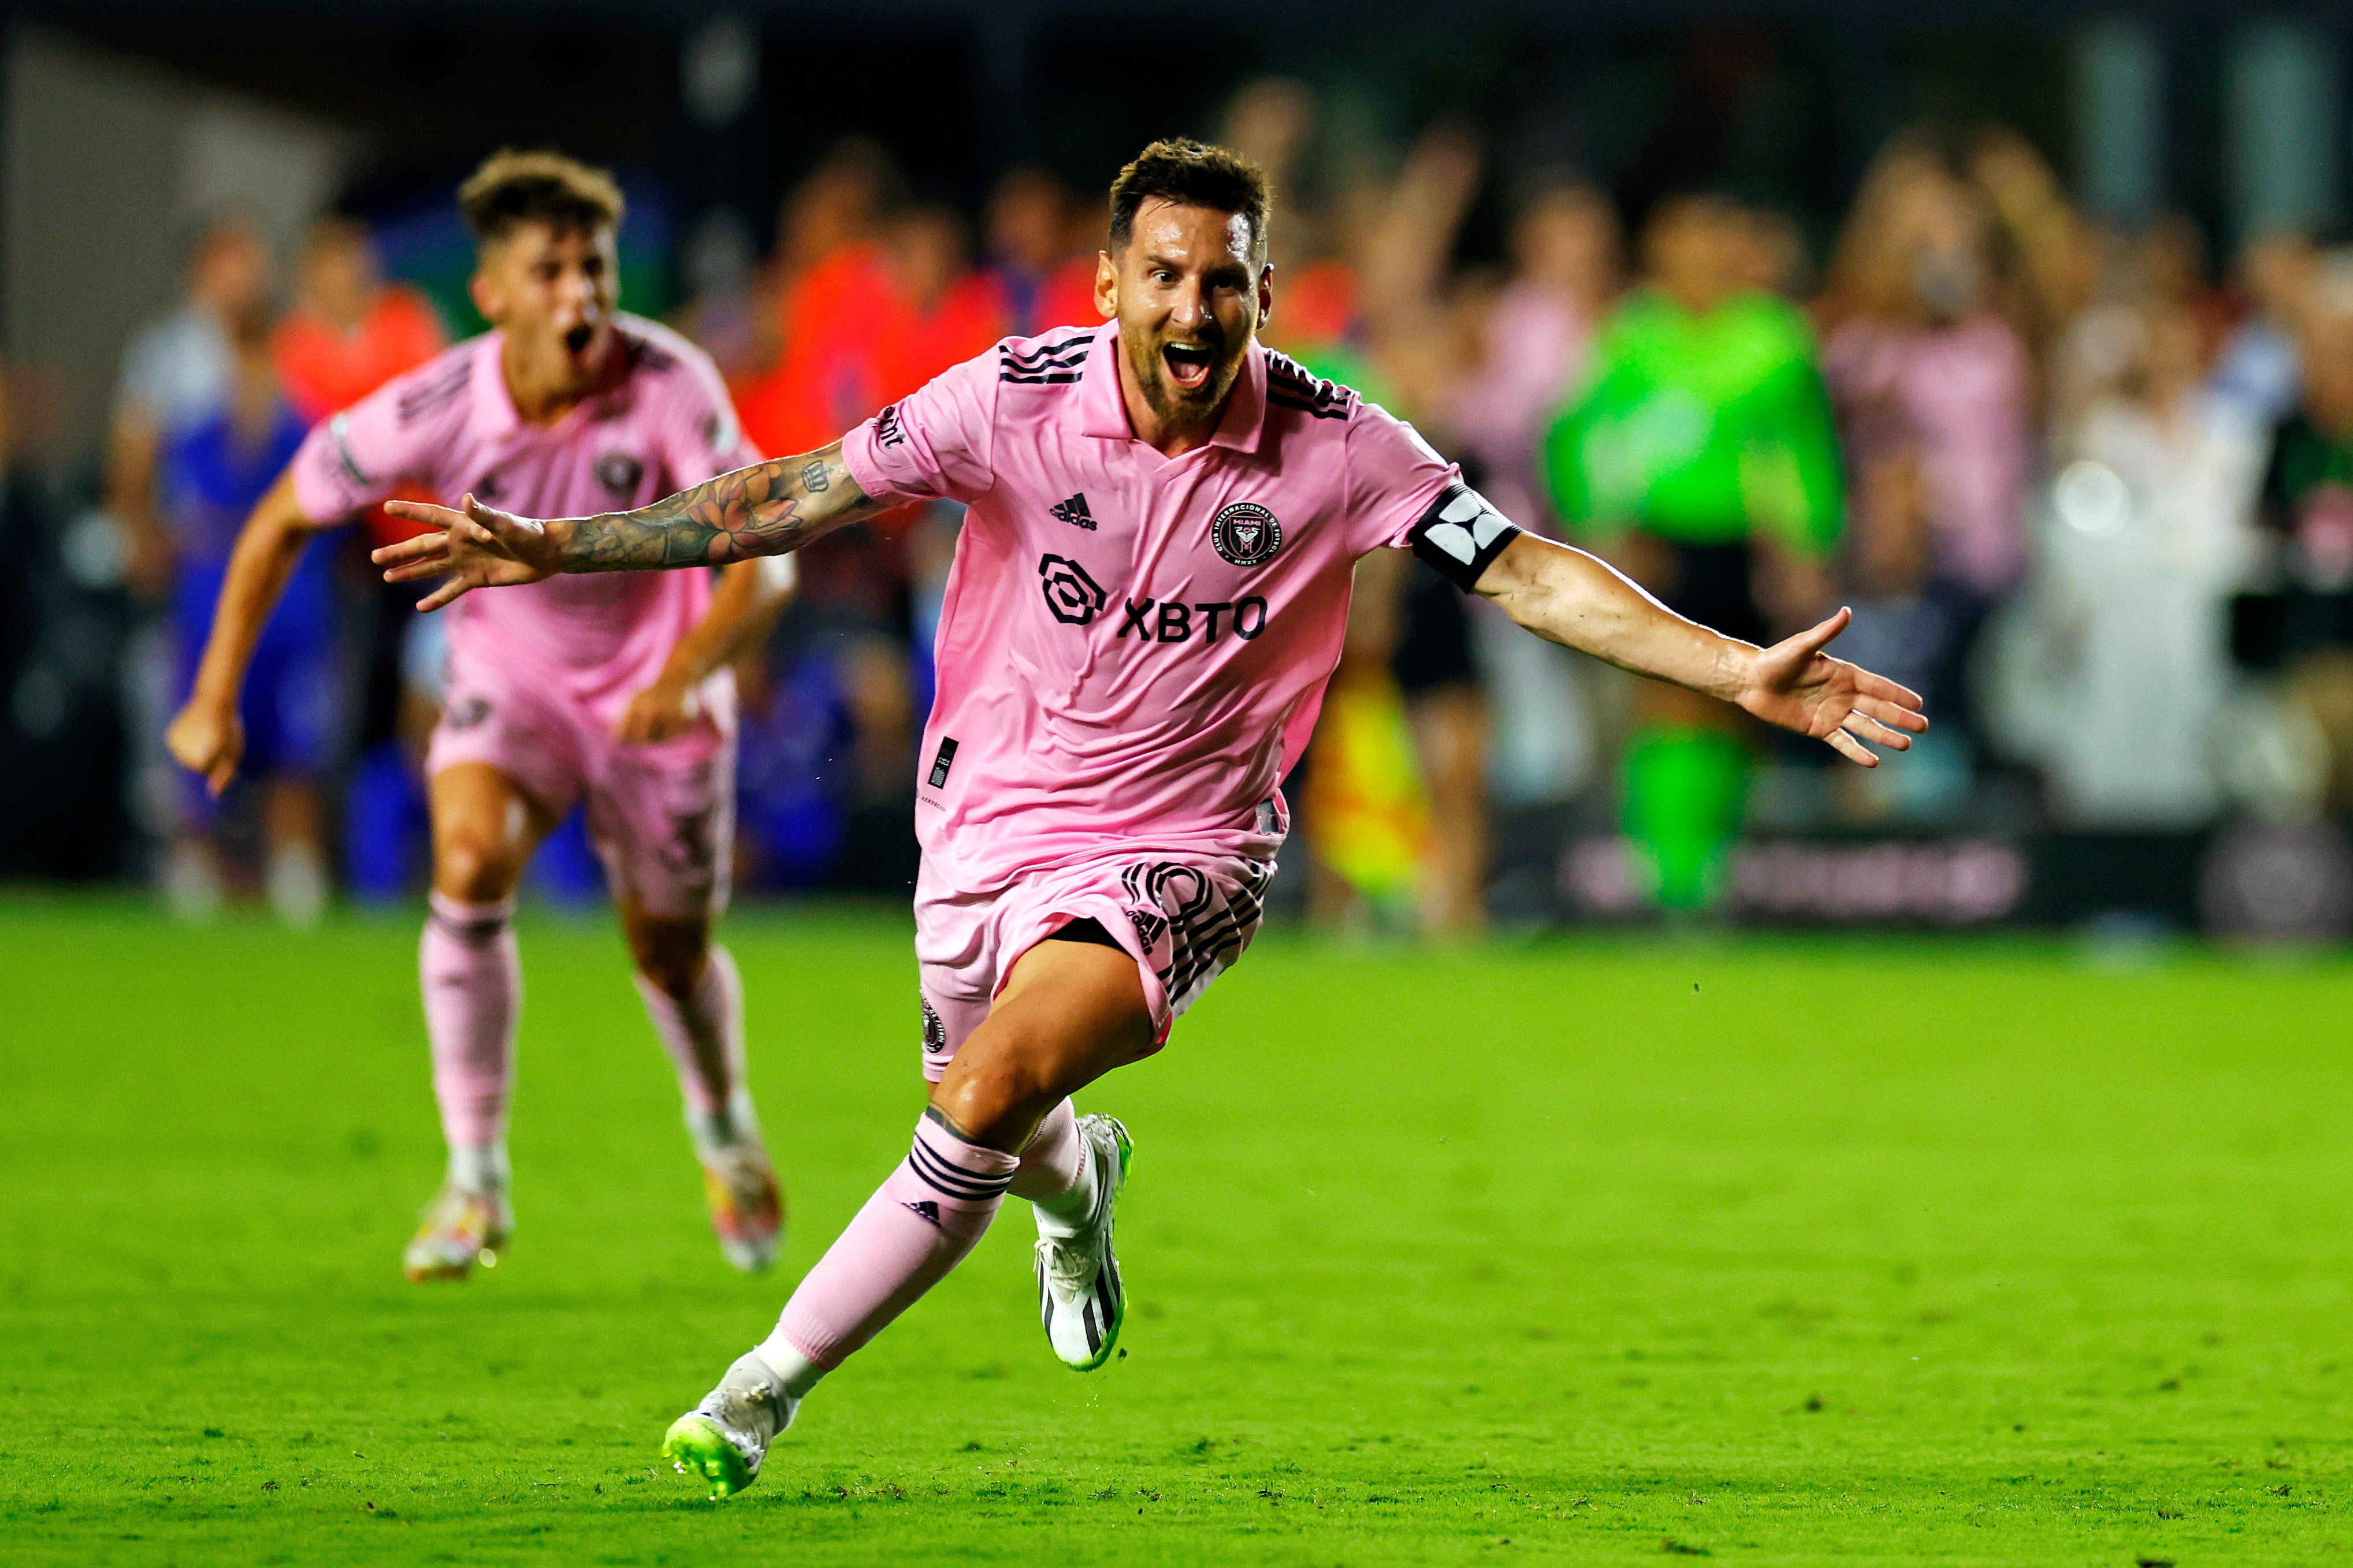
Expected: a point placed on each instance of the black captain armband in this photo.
(1461, 535)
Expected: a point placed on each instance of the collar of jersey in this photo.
(494, 404)
(1102, 413)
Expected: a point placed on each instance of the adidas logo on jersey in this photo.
(926, 1211)
(1074, 512)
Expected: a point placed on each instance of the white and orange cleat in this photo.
(459, 1229)
(747, 1206)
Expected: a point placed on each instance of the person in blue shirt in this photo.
(211, 469)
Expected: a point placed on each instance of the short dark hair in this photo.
(1195, 174)
(514, 187)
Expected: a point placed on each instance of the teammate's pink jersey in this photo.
(451, 427)
(1133, 647)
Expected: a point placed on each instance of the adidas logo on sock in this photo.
(927, 1211)
(1074, 512)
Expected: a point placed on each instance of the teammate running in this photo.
(613, 689)
(1148, 594)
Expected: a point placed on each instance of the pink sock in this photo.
(1054, 1162)
(704, 1038)
(473, 992)
(918, 1225)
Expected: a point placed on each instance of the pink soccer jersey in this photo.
(1134, 648)
(450, 426)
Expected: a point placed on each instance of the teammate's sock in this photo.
(735, 1124)
(480, 1167)
(704, 1038)
(1684, 791)
(1058, 1175)
(918, 1225)
(473, 991)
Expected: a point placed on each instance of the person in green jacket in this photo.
(1701, 457)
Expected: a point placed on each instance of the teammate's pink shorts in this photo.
(663, 816)
(1184, 919)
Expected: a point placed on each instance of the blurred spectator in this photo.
(1530, 339)
(213, 471)
(825, 287)
(1933, 393)
(1773, 256)
(1042, 253)
(1533, 336)
(726, 311)
(942, 312)
(176, 373)
(879, 295)
(2121, 663)
(833, 295)
(2307, 509)
(349, 333)
(2260, 368)
(2052, 256)
(1701, 457)
(1396, 803)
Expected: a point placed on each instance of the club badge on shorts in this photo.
(1246, 534)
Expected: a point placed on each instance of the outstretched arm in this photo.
(767, 508)
(205, 736)
(1580, 602)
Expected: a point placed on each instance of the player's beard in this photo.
(1171, 402)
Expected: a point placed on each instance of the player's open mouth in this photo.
(1188, 364)
(578, 339)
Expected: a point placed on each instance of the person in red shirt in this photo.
(349, 330)
(349, 333)
(890, 306)
(1042, 253)
(942, 312)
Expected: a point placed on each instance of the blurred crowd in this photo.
(2090, 491)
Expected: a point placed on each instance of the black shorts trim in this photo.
(1085, 929)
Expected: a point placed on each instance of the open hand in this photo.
(478, 547)
(208, 742)
(1796, 685)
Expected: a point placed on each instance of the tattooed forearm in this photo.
(767, 508)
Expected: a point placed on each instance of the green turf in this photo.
(1782, 1252)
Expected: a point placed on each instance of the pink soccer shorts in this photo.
(1184, 917)
(663, 816)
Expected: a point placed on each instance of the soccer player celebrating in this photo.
(1148, 594)
(612, 688)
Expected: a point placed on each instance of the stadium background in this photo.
(2180, 140)
(1870, 1236)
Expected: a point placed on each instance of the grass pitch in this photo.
(1778, 1252)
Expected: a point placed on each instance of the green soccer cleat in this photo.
(724, 1438)
(1080, 1298)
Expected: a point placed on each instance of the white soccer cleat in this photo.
(1080, 1298)
(457, 1229)
(723, 1438)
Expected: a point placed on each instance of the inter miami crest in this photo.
(1246, 534)
(619, 472)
